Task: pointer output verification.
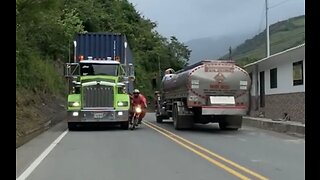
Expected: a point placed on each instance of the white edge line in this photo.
(43, 155)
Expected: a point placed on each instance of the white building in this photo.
(278, 85)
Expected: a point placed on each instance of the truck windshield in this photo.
(87, 69)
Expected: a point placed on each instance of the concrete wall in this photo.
(277, 104)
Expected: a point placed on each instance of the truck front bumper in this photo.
(98, 116)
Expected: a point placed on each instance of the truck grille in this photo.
(98, 96)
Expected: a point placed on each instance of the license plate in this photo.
(98, 115)
(222, 100)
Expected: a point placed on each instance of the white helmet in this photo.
(136, 91)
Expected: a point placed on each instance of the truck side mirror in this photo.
(131, 72)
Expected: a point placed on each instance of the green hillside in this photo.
(283, 35)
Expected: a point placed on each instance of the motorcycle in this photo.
(135, 117)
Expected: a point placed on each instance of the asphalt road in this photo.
(157, 151)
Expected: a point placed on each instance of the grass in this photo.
(40, 87)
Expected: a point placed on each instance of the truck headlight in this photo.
(122, 103)
(74, 104)
(75, 114)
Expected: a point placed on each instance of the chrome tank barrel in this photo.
(212, 77)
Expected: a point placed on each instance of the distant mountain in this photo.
(214, 47)
(283, 35)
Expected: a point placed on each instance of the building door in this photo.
(262, 91)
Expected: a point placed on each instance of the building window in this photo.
(298, 73)
(273, 78)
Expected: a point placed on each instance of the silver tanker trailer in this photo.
(215, 91)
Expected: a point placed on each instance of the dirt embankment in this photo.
(36, 112)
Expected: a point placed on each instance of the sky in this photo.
(193, 19)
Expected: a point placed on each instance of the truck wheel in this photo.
(72, 126)
(223, 125)
(159, 119)
(125, 125)
(176, 118)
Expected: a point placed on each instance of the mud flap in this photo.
(184, 119)
(231, 122)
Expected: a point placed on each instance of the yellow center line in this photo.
(202, 155)
(213, 154)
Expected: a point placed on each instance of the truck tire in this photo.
(159, 119)
(223, 125)
(176, 118)
(124, 125)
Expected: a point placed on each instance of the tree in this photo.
(45, 29)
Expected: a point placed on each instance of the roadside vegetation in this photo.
(44, 34)
(283, 35)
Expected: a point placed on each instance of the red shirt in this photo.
(140, 100)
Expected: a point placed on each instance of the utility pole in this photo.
(159, 69)
(75, 51)
(267, 30)
(69, 52)
(125, 59)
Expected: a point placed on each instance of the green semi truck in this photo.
(100, 79)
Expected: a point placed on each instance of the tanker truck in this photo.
(211, 91)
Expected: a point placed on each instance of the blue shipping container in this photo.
(103, 45)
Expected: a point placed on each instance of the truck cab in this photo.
(100, 79)
(98, 93)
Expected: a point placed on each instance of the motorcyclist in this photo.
(138, 99)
